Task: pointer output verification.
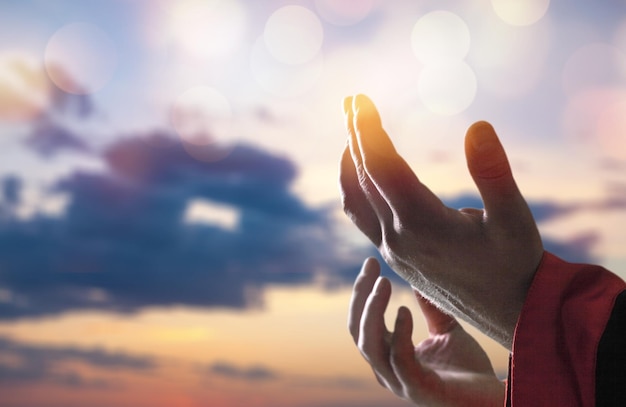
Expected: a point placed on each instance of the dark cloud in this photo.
(48, 138)
(122, 244)
(34, 364)
(251, 374)
(48, 135)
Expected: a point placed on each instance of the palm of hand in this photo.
(448, 369)
(459, 369)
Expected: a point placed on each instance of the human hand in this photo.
(475, 264)
(447, 369)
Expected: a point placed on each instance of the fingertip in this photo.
(480, 126)
(480, 135)
(370, 268)
(363, 107)
(486, 158)
(382, 285)
(403, 318)
(361, 100)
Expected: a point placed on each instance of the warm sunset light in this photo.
(171, 227)
(520, 13)
(24, 88)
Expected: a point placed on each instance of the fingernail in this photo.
(484, 138)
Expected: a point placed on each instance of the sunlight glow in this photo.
(520, 12)
(280, 79)
(440, 36)
(207, 29)
(447, 89)
(24, 88)
(80, 58)
(509, 61)
(344, 12)
(441, 41)
(293, 35)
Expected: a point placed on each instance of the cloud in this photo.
(579, 249)
(48, 138)
(251, 374)
(122, 243)
(259, 373)
(35, 363)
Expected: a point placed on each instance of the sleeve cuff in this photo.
(557, 334)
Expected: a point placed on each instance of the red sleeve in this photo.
(553, 360)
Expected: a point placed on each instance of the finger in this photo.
(490, 169)
(438, 322)
(374, 337)
(354, 201)
(407, 197)
(363, 286)
(407, 368)
(378, 204)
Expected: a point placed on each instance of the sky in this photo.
(171, 232)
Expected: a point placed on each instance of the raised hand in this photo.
(448, 369)
(476, 264)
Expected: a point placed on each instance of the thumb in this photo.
(438, 322)
(490, 169)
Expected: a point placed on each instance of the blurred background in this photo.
(170, 223)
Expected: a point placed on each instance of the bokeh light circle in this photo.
(207, 29)
(80, 58)
(280, 79)
(293, 35)
(202, 117)
(595, 117)
(447, 89)
(24, 87)
(440, 36)
(344, 12)
(510, 61)
(520, 12)
(594, 65)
